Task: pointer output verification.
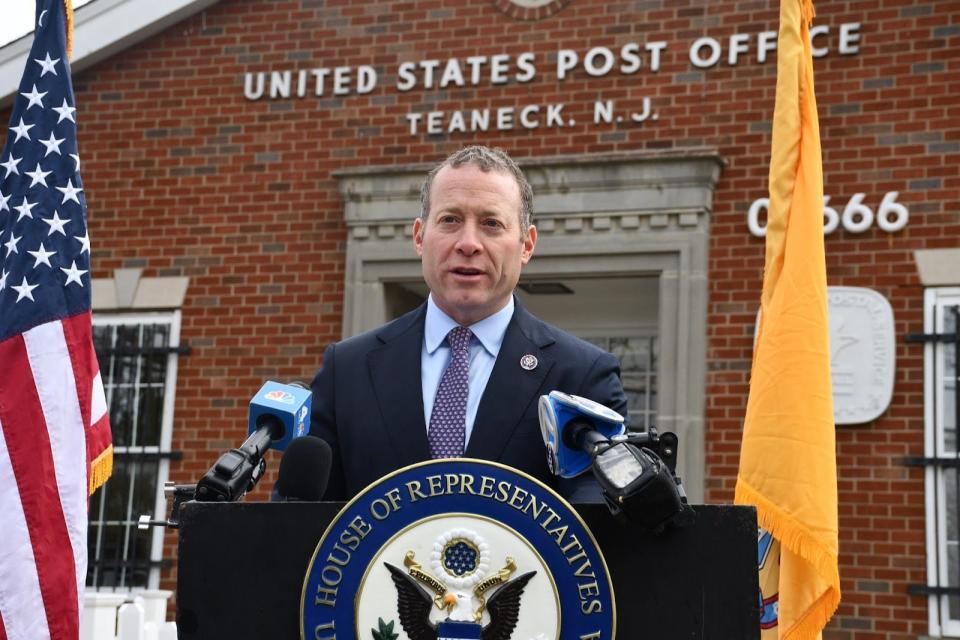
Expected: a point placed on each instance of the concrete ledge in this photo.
(938, 267)
(127, 291)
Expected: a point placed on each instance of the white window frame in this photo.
(172, 318)
(936, 302)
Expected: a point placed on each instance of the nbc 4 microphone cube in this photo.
(285, 407)
(561, 411)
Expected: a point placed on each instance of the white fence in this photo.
(140, 615)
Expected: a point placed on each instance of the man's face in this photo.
(471, 245)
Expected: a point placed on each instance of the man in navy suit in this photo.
(422, 386)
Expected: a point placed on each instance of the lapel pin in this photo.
(529, 362)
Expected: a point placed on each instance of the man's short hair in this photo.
(486, 159)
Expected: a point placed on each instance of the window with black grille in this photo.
(638, 370)
(138, 358)
(941, 460)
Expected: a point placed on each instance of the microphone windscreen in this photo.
(305, 469)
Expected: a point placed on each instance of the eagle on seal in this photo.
(414, 604)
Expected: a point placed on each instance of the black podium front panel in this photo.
(241, 569)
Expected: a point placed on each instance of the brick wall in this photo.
(184, 176)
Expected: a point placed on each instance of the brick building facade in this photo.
(260, 203)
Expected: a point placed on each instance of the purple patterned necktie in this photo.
(448, 418)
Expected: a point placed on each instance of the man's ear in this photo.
(529, 242)
(418, 228)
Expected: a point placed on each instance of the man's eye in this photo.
(493, 223)
(448, 219)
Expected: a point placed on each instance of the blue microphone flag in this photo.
(556, 411)
(287, 403)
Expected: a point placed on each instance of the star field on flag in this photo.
(43, 241)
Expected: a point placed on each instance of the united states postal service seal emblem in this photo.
(457, 550)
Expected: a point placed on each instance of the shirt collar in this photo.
(489, 331)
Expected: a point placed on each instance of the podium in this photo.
(242, 565)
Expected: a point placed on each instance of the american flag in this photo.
(54, 429)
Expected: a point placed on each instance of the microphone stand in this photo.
(181, 493)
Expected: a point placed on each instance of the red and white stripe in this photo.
(46, 401)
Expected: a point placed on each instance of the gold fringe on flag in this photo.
(100, 469)
(793, 535)
(68, 5)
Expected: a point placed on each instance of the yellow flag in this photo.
(788, 467)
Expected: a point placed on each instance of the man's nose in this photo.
(468, 241)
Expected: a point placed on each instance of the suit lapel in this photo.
(395, 372)
(511, 388)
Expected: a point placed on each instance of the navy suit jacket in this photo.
(368, 399)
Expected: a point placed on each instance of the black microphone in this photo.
(635, 471)
(304, 470)
(238, 470)
(279, 414)
(581, 435)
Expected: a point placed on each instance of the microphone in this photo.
(569, 424)
(278, 414)
(636, 482)
(284, 408)
(304, 470)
